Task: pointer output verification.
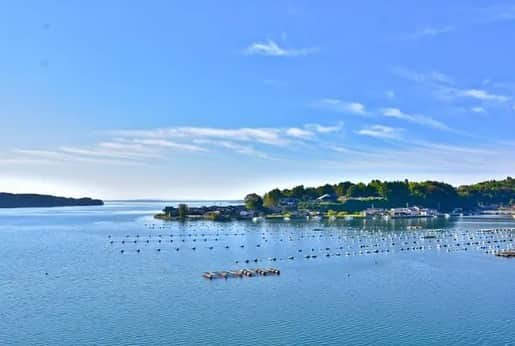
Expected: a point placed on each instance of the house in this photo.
(288, 203)
(412, 212)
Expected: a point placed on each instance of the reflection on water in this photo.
(65, 280)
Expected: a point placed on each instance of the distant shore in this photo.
(11, 200)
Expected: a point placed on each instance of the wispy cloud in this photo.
(481, 95)
(235, 147)
(431, 158)
(271, 136)
(414, 118)
(271, 48)
(133, 146)
(299, 133)
(444, 87)
(381, 131)
(324, 129)
(68, 155)
(337, 105)
(496, 13)
(477, 109)
(168, 144)
(390, 94)
(422, 77)
(429, 32)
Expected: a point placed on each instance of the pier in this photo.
(241, 273)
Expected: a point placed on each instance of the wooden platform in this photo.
(241, 273)
(506, 253)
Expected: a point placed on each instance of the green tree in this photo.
(358, 190)
(376, 188)
(341, 188)
(297, 192)
(325, 189)
(271, 199)
(253, 201)
(183, 210)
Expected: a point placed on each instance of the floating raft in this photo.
(241, 273)
(506, 253)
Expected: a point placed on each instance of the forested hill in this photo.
(431, 194)
(10, 200)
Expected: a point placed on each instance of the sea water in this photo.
(65, 281)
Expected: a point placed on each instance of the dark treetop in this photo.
(10, 200)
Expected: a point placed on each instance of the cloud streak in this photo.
(271, 48)
(482, 95)
(381, 131)
(414, 118)
(429, 32)
(337, 105)
(130, 146)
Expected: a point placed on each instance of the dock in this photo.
(241, 273)
(506, 253)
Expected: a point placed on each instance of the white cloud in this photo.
(414, 118)
(390, 94)
(99, 151)
(169, 144)
(482, 95)
(444, 87)
(236, 147)
(477, 109)
(324, 129)
(300, 133)
(68, 155)
(336, 105)
(428, 77)
(141, 146)
(271, 48)
(269, 136)
(430, 32)
(497, 13)
(381, 131)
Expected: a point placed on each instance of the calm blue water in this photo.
(63, 283)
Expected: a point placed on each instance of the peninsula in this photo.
(11, 200)
(388, 199)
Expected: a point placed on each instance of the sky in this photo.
(216, 99)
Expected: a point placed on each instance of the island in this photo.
(377, 199)
(11, 200)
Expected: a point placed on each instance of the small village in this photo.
(291, 208)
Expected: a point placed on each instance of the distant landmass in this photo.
(11, 200)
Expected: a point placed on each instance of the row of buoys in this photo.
(393, 244)
(448, 247)
(302, 236)
(487, 240)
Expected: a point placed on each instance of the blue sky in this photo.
(214, 99)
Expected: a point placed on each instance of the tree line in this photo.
(429, 194)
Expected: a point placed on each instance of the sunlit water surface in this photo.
(62, 282)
